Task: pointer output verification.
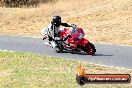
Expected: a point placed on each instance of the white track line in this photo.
(7, 50)
(113, 67)
(108, 66)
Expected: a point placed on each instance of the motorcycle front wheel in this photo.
(90, 49)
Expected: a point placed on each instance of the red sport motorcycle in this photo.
(66, 43)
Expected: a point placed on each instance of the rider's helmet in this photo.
(56, 20)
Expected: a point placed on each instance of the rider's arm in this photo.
(66, 25)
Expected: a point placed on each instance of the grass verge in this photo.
(23, 70)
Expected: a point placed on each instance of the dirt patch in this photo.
(104, 21)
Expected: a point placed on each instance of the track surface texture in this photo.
(110, 55)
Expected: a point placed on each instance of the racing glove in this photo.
(73, 26)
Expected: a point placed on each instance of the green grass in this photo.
(24, 70)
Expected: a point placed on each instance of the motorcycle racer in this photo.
(51, 32)
(66, 39)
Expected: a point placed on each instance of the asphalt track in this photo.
(110, 55)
